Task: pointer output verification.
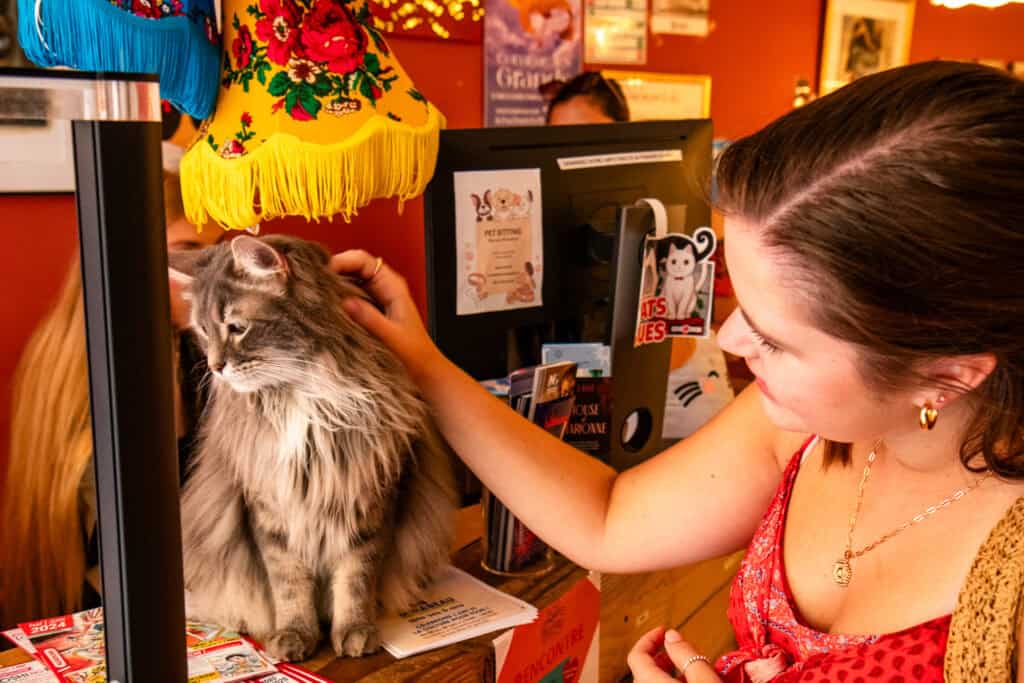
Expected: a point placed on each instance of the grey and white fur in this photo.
(320, 489)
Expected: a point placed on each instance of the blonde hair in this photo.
(42, 539)
(42, 553)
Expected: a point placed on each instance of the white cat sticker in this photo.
(676, 290)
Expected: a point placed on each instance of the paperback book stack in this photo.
(71, 649)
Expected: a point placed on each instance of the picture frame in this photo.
(35, 157)
(862, 37)
(660, 96)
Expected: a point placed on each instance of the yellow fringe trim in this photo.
(289, 176)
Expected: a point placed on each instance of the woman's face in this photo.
(577, 110)
(809, 380)
(182, 235)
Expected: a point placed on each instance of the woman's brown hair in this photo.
(898, 201)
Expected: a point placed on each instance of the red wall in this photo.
(755, 53)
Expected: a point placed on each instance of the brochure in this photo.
(561, 645)
(227, 662)
(456, 607)
(71, 649)
(29, 672)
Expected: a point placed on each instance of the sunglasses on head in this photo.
(587, 83)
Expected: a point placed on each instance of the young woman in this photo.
(875, 246)
(48, 552)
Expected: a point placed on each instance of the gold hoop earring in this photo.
(927, 417)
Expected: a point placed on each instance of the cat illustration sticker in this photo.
(676, 287)
(498, 237)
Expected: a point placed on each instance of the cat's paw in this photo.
(292, 644)
(355, 640)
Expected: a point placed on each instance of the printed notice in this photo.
(456, 607)
(658, 156)
(500, 249)
(616, 31)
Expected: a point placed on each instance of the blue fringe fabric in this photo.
(174, 39)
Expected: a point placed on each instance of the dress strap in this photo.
(808, 448)
(986, 622)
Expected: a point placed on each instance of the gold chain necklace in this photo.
(842, 571)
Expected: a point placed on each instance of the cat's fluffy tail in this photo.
(225, 579)
(425, 526)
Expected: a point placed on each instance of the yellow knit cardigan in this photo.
(986, 622)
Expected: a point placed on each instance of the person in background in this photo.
(48, 547)
(587, 98)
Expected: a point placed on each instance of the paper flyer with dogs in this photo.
(677, 287)
(499, 240)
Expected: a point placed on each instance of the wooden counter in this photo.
(692, 598)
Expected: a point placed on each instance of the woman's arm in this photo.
(701, 498)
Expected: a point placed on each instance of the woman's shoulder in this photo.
(986, 632)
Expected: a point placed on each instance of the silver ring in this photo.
(691, 660)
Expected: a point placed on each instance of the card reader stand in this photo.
(639, 374)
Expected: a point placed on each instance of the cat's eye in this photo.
(237, 329)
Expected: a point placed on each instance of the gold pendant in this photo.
(842, 572)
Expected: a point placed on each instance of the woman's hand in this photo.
(180, 303)
(651, 666)
(400, 326)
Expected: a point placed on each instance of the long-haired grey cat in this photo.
(320, 486)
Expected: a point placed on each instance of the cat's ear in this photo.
(257, 258)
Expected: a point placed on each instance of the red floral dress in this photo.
(774, 645)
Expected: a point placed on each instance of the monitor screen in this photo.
(586, 173)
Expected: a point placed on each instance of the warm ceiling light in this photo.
(957, 4)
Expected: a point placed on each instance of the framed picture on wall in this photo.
(863, 37)
(34, 156)
(653, 96)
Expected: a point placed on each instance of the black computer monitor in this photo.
(581, 202)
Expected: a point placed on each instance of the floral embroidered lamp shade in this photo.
(174, 39)
(315, 118)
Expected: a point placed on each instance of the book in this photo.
(542, 394)
(456, 607)
(552, 397)
(590, 427)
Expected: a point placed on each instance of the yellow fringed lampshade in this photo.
(315, 117)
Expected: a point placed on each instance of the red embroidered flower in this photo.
(241, 47)
(279, 28)
(299, 113)
(246, 119)
(330, 34)
(232, 149)
(146, 8)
